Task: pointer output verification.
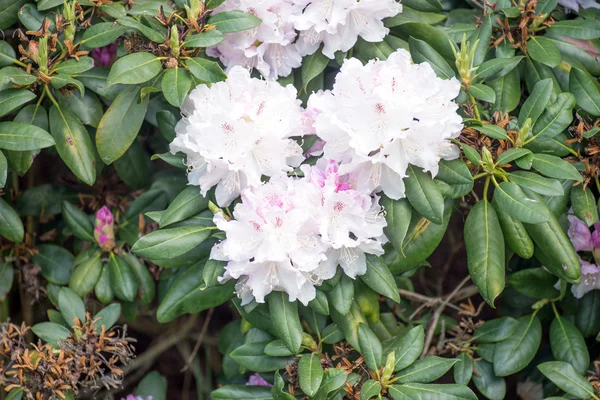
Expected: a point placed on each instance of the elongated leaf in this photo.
(370, 347)
(120, 124)
(170, 243)
(21, 137)
(176, 84)
(584, 204)
(73, 143)
(3, 170)
(491, 386)
(564, 376)
(11, 99)
(537, 183)
(554, 167)
(107, 317)
(205, 70)
(587, 95)
(55, 263)
(557, 117)
(134, 68)
(50, 333)
(407, 347)
(188, 203)
(420, 391)
(534, 282)
(11, 226)
(71, 306)
(463, 370)
(513, 201)
(492, 131)
(312, 66)
(544, 51)
(497, 67)
(234, 21)
(310, 374)
(397, 214)
(536, 103)
(485, 250)
(86, 275)
(379, 278)
(252, 356)
(426, 370)
(187, 295)
(102, 34)
(78, 221)
(424, 195)
(496, 330)
(483, 92)
(235, 392)
(204, 39)
(342, 294)
(568, 345)
(155, 34)
(420, 52)
(587, 29)
(516, 352)
(285, 320)
(515, 234)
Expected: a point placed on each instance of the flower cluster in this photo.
(385, 115)
(290, 234)
(291, 29)
(584, 240)
(236, 131)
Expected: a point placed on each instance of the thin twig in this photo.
(436, 316)
(189, 361)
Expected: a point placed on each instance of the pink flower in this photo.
(104, 56)
(255, 380)
(104, 229)
(583, 239)
(132, 397)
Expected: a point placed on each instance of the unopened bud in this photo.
(174, 41)
(524, 133)
(388, 368)
(487, 158)
(104, 229)
(308, 341)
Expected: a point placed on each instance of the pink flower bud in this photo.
(257, 380)
(104, 229)
(104, 56)
(133, 397)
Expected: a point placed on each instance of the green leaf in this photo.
(424, 5)
(284, 316)
(554, 167)
(421, 52)
(204, 39)
(433, 36)
(19, 136)
(516, 352)
(170, 243)
(537, 183)
(485, 250)
(426, 370)
(587, 95)
(497, 67)
(120, 125)
(73, 143)
(147, 288)
(251, 356)
(276, 348)
(508, 91)
(483, 92)
(11, 226)
(88, 107)
(544, 51)
(187, 295)
(103, 289)
(536, 103)
(372, 50)
(60, 81)
(496, 330)
(134, 167)
(587, 317)
(419, 391)
(348, 323)
(157, 36)
(534, 282)
(513, 201)
(15, 394)
(234, 21)
(584, 206)
(463, 370)
(424, 195)
(74, 66)
(175, 84)
(568, 345)
(407, 347)
(86, 275)
(370, 389)
(205, 70)
(491, 386)
(3, 170)
(102, 34)
(483, 33)
(312, 66)
(564, 376)
(55, 263)
(134, 68)
(78, 221)
(557, 117)
(107, 317)
(71, 306)
(122, 278)
(7, 275)
(471, 154)
(342, 294)
(379, 278)
(236, 392)
(50, 333)
(397, 215)
(11, 99)
(457, 175)
(15, 76)
(187, 204)
(310, 373)
(585, 29)
(493, 131)
(370, 347)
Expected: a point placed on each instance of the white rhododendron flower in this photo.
(290, 234)
(385, 115)
(575, 5)
(337, 24)
(238, 130)
(270, 46)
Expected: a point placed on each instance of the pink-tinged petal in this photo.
(580, 235)
(596, 239)
(590, 279)
(257, 380)
(104, 229)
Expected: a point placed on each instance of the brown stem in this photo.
(200, 340)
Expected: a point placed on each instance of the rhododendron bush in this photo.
(299, 199)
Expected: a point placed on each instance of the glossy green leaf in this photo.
(170, 243)
(543, 50)
(175, 84)
(11, 226)
(534, 282)
(234, 21)
(134, 167)
(370, 347)
(78, 221)
(86, 275)
(313, 65)
(587, 29)
(397, 215)
(188, 203)
(493, 131)
(516, 352)
(537, 183)
(284, 316)
(107, 317)
(50, 333)
(15, 76)
(508, 91)
(564, 376)
(251, 356)
(134, 68)
(424, 195)
(497, 67)
(456, 174)
(120, 124)
(154, 34)
(584, 206)
(370, 389)
(420, 391)
(310, 373)
(122, 278)
(103, 289)
(55, 263)
(491, 386)
(536, 102)
(342, 294)
(379, 278)
(433, 36)
(12, 99)
(3, 170)
(73, 143)
(586, 93)
(102, 34)
(21, 137)
(513, 201)
(407, 347)
(71, 306)
(235, 392)
(515, 234)
(426, 370)
(554, 167)
(463, 370)
(568, 345)
(496, 330)
(7, 275)
(421, 52)
(204, 39)
(483, 92)
(557, 117)
(485, 250)
(205, 70)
